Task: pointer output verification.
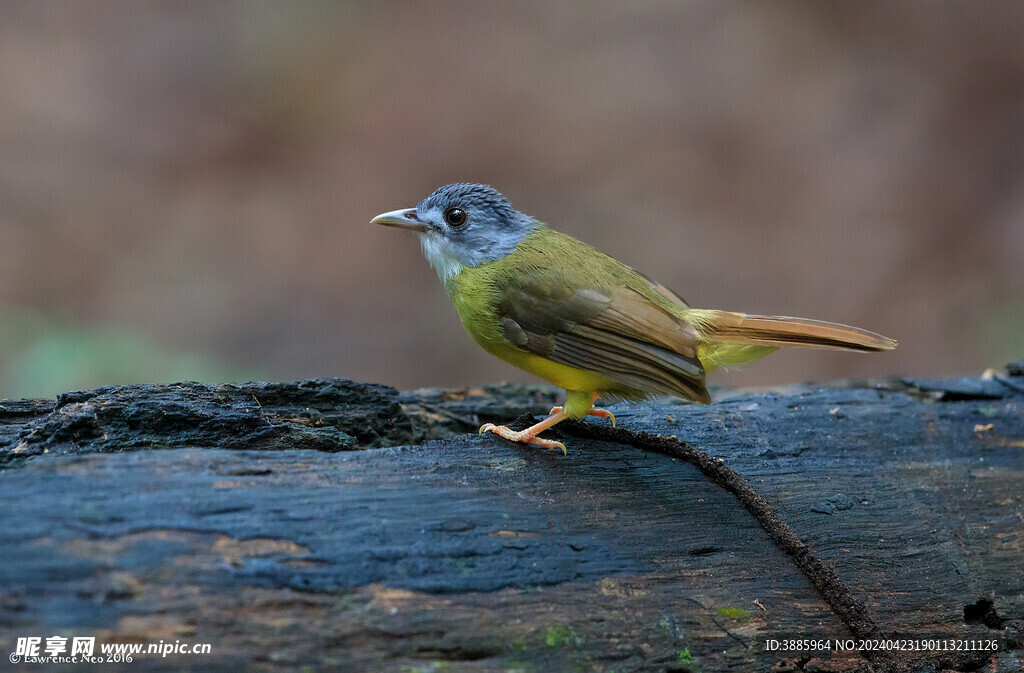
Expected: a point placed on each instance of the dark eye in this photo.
(455, 217)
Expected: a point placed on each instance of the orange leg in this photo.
(558, 414)
(600, 413)
(529, 435)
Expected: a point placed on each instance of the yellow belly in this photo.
(580, 385)
(474, 293)
(561, 375)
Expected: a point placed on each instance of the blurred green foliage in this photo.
(42, 358)
(1002, 330)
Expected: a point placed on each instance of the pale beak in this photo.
(403, 219)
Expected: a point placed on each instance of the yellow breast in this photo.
(474, 293)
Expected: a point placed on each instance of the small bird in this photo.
(570, 314)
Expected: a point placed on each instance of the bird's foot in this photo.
(600, 413)
(527, 436)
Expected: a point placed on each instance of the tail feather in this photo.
(763, 330)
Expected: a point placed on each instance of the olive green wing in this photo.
(616, 332)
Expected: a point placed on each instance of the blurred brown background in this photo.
(185, 187)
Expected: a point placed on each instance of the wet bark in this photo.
(347, 526)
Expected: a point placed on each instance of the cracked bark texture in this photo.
(335, 525)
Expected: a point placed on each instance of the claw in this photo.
(603, 413)
(522, 436)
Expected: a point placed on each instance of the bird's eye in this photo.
(455, 217)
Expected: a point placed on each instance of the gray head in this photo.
(463, 224)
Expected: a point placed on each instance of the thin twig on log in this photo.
(851, 611)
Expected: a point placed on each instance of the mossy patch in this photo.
(433, 667)
(560, 636)
(739, 614)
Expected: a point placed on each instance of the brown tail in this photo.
(774, 330)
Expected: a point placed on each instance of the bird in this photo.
(566, 312)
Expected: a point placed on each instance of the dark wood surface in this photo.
(330, 525)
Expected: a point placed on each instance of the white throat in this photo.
(441, 257)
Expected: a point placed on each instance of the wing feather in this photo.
(615, 332)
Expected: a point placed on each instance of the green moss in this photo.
(735, 613)
(684, 655)
(433, 667)
(557, 636)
